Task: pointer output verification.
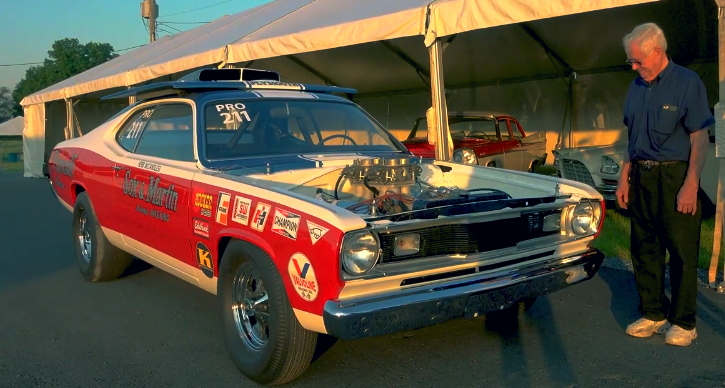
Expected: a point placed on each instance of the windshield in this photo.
(462, 127)
(237, 128)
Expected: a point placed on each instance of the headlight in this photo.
(609, 166)
(556, 158)
(465, 155)
(359, 253)
(585, 218)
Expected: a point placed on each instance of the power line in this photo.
(197, 9)
(182, 22)
(21, 64)
(40, 63)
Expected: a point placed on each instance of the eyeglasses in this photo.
(638, 62)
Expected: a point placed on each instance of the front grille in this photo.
(469, 238)
(576, 171)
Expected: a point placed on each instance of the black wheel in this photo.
(97, 259)
(261, 333)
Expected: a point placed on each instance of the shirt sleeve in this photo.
(698, 114)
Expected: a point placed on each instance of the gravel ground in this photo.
(702, 274)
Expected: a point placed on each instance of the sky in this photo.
(29, 29)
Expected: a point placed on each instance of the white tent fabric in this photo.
(34, 141)
(12, 127)
(286, 27)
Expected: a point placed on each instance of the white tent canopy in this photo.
(288, 27)
(12, 127)
(554, 64)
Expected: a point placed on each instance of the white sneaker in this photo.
(680, 337)
(644, 327)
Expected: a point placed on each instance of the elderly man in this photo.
(666, 112)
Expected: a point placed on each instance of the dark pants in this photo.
(656, 226)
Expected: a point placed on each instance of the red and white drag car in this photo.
(305, 216)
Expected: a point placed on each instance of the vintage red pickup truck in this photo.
(484, 138)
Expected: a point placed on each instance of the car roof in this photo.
(473, 113)
(253, 88)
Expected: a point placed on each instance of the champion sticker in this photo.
(286, 223)
(316, 231)
(303, 277)
(204, 259)
(261, 213)
(242, 208)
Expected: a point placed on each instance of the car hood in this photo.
(592, 155)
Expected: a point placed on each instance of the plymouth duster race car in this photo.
(484, 138)
(305, 216)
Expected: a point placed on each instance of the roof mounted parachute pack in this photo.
(205, 80)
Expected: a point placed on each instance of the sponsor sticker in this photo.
(205, 259)
(204, 202)
(222, 208)
(242, 208)
(149, 166)
(316, 231)
(201, 228)
(286, 223)
(261, 213)
(303, 277)
(152, 192)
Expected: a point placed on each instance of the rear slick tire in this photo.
(261, 332)
(97, 259)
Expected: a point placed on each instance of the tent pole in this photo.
(70, 133)
(438, 99)
(719, 150)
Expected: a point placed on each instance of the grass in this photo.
(7, 147)
(613, 240)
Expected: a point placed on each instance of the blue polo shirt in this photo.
(661, 114)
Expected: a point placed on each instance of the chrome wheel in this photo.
(84, 237)
(251, 307)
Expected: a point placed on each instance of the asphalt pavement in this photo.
(149, 329)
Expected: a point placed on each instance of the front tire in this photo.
(261, 333)
(97, 259)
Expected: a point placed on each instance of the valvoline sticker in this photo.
(303, 277)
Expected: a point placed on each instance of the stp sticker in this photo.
(316, 231)
(222, 208)
(204, 259)
(242, 207)
(201, 228)
(303, 277)
(260, 216)
(286, 223)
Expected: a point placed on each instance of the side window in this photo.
(128, 136)
(503, 126)
(169, 133)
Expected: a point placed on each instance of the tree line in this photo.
(66, 58)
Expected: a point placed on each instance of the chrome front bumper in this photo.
(431, 304)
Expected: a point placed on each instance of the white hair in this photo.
(648, 36)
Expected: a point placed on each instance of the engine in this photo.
(393, 186)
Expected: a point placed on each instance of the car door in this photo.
(152, 182)
(510, 146)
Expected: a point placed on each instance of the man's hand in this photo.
(687, 198)
(622, 193)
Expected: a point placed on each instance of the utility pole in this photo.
(150, 11)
